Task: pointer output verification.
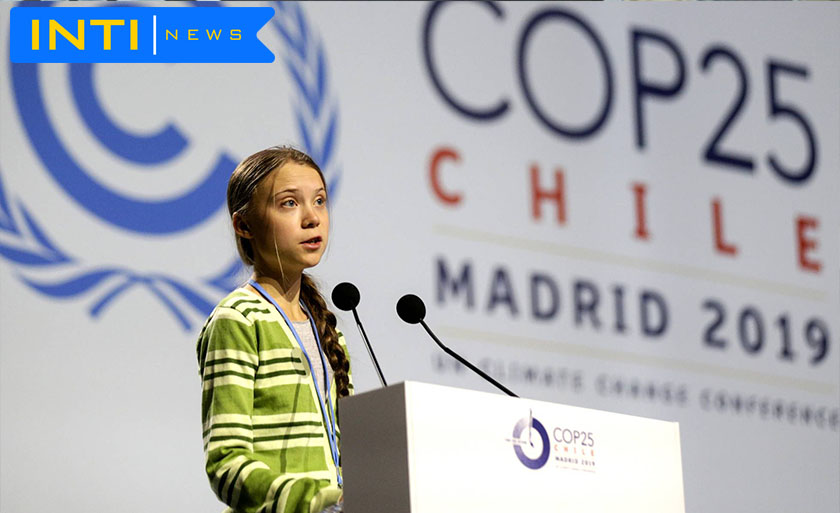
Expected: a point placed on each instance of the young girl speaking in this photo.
(270, 357)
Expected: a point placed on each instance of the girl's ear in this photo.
(240, 226)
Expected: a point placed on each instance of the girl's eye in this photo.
(321, 201)
(288, 203)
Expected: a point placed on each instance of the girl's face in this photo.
(288, 223)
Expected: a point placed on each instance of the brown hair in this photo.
(243, 182)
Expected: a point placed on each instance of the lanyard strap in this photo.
(331, 430)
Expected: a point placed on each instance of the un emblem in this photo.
(50, 268)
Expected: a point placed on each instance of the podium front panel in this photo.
(469, 451)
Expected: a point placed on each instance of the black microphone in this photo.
(345, 296)
(411, 309)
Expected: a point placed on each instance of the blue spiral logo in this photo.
(531, 425)
(27, 245)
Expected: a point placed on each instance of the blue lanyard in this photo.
(331, 431)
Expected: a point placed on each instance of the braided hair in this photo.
(241, 186)
(325, 323)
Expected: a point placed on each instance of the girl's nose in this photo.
(310, 218)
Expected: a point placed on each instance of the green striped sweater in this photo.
(265, 441)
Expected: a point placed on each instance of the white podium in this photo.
(419, 448)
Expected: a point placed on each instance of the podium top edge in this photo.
(411, 388)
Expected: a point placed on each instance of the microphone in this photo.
(411, 309)
(346, 297)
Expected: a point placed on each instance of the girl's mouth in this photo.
(313, 243)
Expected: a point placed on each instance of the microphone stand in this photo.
(369, 349)
(472, 367)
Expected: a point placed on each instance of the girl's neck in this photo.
(286, 293)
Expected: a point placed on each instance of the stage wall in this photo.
(623, 207)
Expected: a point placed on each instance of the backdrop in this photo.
(623, 207)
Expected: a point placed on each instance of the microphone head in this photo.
(345, 296)
(411, 309)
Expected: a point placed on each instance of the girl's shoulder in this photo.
(246, 310)
(242, 305)
(239, 299)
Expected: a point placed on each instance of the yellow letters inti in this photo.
(36, 36)
(106, 30)
(78, 41)
(133, 34)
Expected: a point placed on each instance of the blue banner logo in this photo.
(138, 34)
(48, 266)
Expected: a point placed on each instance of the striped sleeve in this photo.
(228, 362)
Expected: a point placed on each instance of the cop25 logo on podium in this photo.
(25, 242)
(532, 452)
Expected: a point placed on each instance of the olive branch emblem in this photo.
(27, 246)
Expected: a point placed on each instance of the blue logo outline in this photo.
(30, 248)
(542, 459)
